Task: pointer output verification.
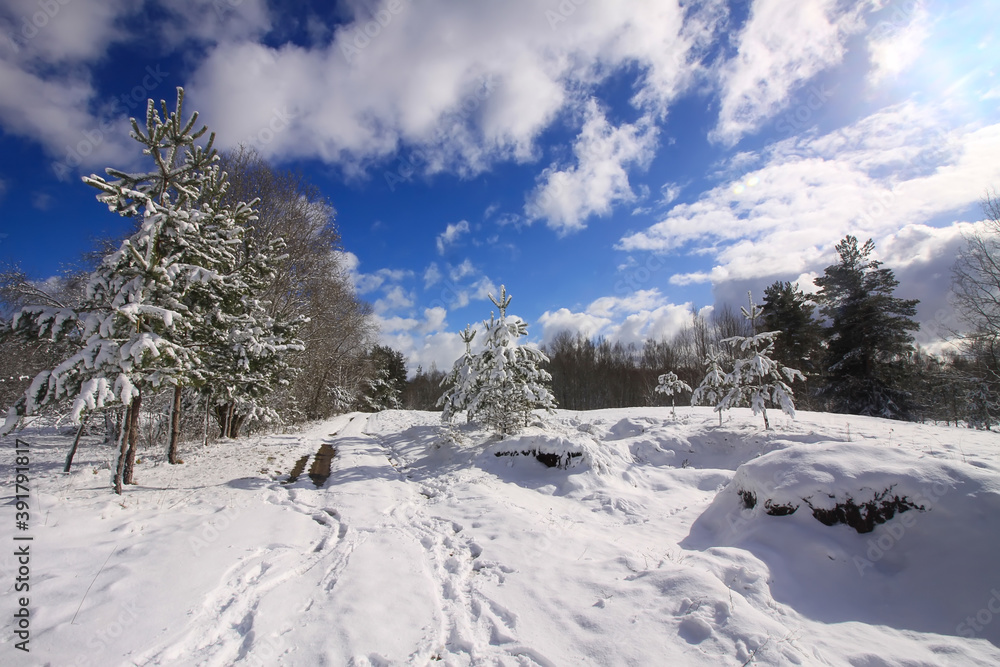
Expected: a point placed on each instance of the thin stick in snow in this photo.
(72, 622)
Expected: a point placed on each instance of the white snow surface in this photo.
(428, 549)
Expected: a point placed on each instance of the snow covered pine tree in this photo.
(173, 306)
(713, 387)
(505, 382)
(756, 379)
(461, 381)
(671, 386)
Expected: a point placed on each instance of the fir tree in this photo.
(756, 379)
(508, 380)
(868, 338)
(787, 310)
(713, 387)
(461, 382)
(669, 385)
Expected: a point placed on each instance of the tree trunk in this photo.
(175, 426)
(111, 425)
(76, 442)
(133, 438)
(236, 424)
(767, 426)
(230, 423)
(208, 408)
(123, 428)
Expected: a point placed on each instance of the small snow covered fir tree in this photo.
(461, 382)
(713, 387)
(671, 386)
(504, 382)
(756, 379)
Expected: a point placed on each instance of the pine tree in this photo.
(868, 338)
(669, 385)
(787, 310)
(462, 382)
(385, 387)
(713, 387)
(173, 306)
(509, 381)
(756, 379)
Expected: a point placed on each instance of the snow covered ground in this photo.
(655, 546)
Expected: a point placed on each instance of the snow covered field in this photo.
(418, 550)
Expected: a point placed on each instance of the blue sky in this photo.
(615, 164)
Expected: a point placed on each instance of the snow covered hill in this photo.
(661, 542)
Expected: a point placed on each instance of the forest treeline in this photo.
(851, 340)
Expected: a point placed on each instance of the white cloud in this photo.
(564, 319)
(46, 55)
(463, 270)
(423, 342)
(55, 112)
(68, 31)
(896, 167)
(482, 289)
(395, 298)
(485, 93)
(434, 320)
(451, 235)
(432, 275)
(565, 198)
(383, 278)
(893, 48)
(634, 318)
(783, 45)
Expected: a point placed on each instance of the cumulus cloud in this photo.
(565, 198)
(897, 167)
(642, 315)
(456, 273)
(424, 342)
(395, 298)
(484, 94)
(432, 275)
(451, 235)
(48, 50)
(781, 46)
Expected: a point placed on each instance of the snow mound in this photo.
(940, 544)
(553, 448)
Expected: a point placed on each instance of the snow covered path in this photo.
(380, 550)
(421, 551)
